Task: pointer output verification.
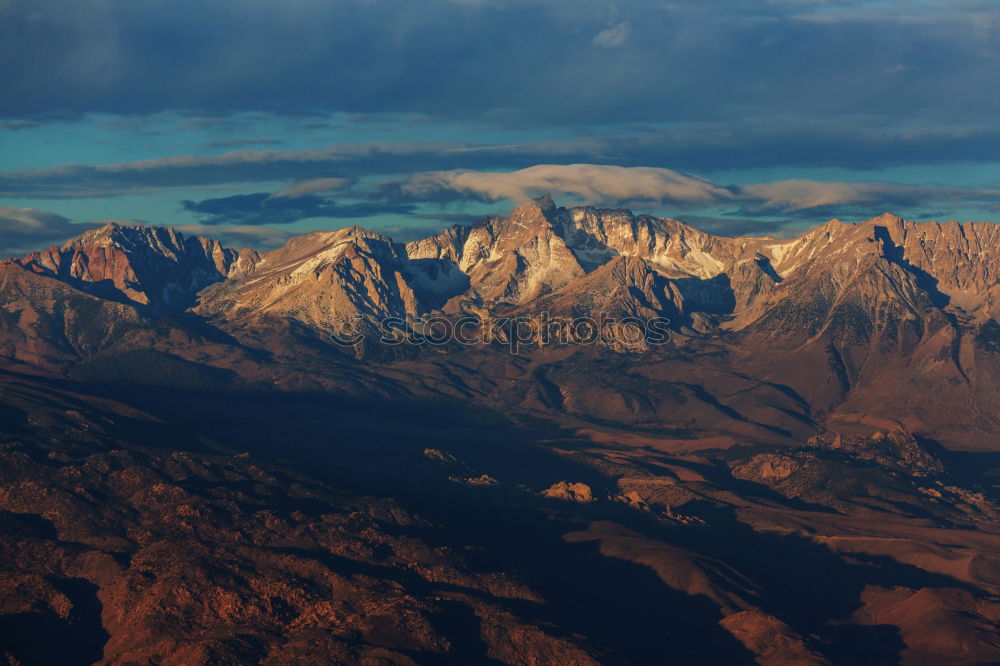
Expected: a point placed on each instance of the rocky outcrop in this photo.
(896, 449)
(569, 491)
(865, 475)
(773, 641)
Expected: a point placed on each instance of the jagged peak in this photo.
(352, 235)
(580, 211)
(829, 229)
(358, 230)
(675, 226)
(545, 203)
(326, 245)
(887, 216)
(534, 208)
(886, 219)
(106, 230)
(118, 232)
(126, 234)
(836, 223)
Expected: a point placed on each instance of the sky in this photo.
(253, 120)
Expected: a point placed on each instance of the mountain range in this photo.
(886, 321)
(194, 471)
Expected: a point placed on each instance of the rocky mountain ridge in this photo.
(539, 250)
(505, 263)
(192, 472)
(885, 321)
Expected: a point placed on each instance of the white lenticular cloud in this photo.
(27, 220)
(312, 186)
(25, 229)
(799, 194)
(590, 182)
(614, 185)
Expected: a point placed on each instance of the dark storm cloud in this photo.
(262, 208)
(691, 148)
(86, 180)
(511, 61)
(685, 86)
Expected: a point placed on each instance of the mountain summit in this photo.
(154, 266)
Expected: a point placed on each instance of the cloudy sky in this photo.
(251, 120)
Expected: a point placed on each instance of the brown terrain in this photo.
(192, 472)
